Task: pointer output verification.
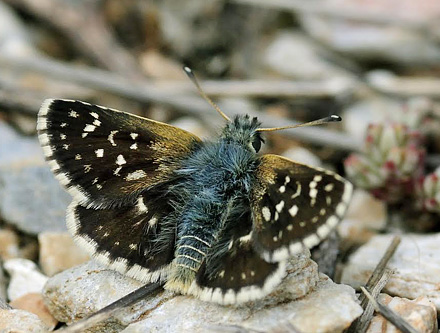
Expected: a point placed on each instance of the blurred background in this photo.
(373, 62)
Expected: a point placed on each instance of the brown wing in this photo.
(294, 205)
(106, 157)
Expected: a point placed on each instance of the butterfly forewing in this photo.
(294, 206)
(106, 157)
(135, 240)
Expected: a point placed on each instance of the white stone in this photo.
(419, 313)
(302, 155)
(415, 265)
(365, 216)
(329, 308)
(288, 49)
(25, 278)
(21, 321)
(58, 252)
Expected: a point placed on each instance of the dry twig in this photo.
(4, 305)
(347, 12)
(146, 91)
(380, 268)
(131, 299)
(376, 283)
(85, 27)
(389, 314)
(361, 324)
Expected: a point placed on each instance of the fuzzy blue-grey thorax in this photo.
(215, 195)
(242, 130)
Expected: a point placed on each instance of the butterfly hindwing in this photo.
(136, 240)
(106, 157)
(294, 206)
(233, 272)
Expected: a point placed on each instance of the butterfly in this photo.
(211, 219)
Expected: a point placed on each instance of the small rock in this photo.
(179, 30)
(419, 313)
(329, 308)
(16, 151)
(33, 303)
(25, 278)
(302, 155)
(2, 286)
(375, 42)
(191, 125)
(35, 201)
(8, 244)
(287, 50)
(15, 39)
(58, 252)
(416, 270)
(13, 321)
(82, 290)
(158, 66)
(370, 111)
(366, 215)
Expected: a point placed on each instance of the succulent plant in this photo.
(391, 162)
(428, 192)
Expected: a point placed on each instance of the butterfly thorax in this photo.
(242, 131)
(219, 177)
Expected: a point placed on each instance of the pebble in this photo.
(58, 252)
(14, 321)
(302, 155)
(288, 49)
(25, 278)
(416, 269)
(365, 217)
(15, 39)
(191, 125)
(329, 308)
(78, 292)
(365, 41)
(373, 110)
(35, 201)
(420, 313)
(9, 247)
(33, 303)
(2, 286)
(16, 150)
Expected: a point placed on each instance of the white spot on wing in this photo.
(329, 187)
(99, 152)
(89, 128)
(120, 160)
(141, 205)
(266, 213)
(111, 137)
(311, 241)
(138, 174)
(73, 114)
(134, 135)
(293, 211)
(280, 206)
(134, 146)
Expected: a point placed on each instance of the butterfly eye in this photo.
(256, 143)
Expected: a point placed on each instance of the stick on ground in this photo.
(131, 299)
(389, 314)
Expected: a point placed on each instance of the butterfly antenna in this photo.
(321, 121)
(194, 80)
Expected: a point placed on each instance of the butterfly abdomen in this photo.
(219, 178)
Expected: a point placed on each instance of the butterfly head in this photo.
(243, 130)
